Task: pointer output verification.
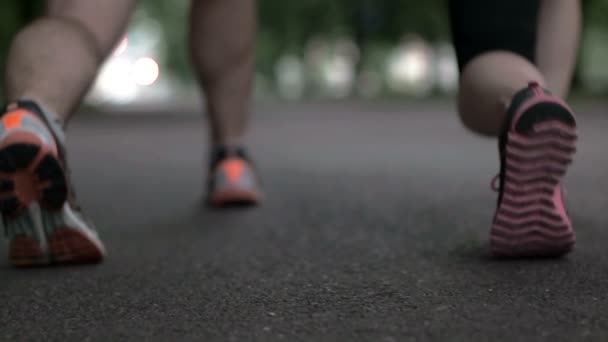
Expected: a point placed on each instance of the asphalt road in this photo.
(374, 229)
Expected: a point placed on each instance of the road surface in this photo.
(374, 229)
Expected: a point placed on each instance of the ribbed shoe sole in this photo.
(528, 222)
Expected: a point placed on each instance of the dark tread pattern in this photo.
(56, 194)
(18, 158)
(22, 154)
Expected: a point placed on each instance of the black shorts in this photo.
(480, 26)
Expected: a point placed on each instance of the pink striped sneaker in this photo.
(536, 147)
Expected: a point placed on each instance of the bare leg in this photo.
(558, 38)
(490, 80)
(222, 40)
(537, 148)
(54, 60)
(486, 86)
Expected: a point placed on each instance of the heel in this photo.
(28, 244)
(529, 220)
(30, 173)
(71, 240)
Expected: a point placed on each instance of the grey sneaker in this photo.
(232, 179)
(41, 219)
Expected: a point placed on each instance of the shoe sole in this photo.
(527, 222)
(233, 197)
(31, 175)
(65, 246)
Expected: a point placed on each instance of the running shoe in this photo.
(536, 147)
(232, 179)
(41, 219)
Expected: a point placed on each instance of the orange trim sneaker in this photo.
(41, 219)
(232, 180)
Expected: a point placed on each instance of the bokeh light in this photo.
(145, 71)
(409, 68)
(122, 47)
(290, 77)
(114, 84)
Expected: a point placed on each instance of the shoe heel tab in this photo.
(52, 120)
(535, 87)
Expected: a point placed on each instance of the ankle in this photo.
(220, 152)
(52, 120)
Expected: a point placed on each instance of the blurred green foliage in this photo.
(285, 26)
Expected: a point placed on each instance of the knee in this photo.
(475, 122)
(481, 111)
(487, 84)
